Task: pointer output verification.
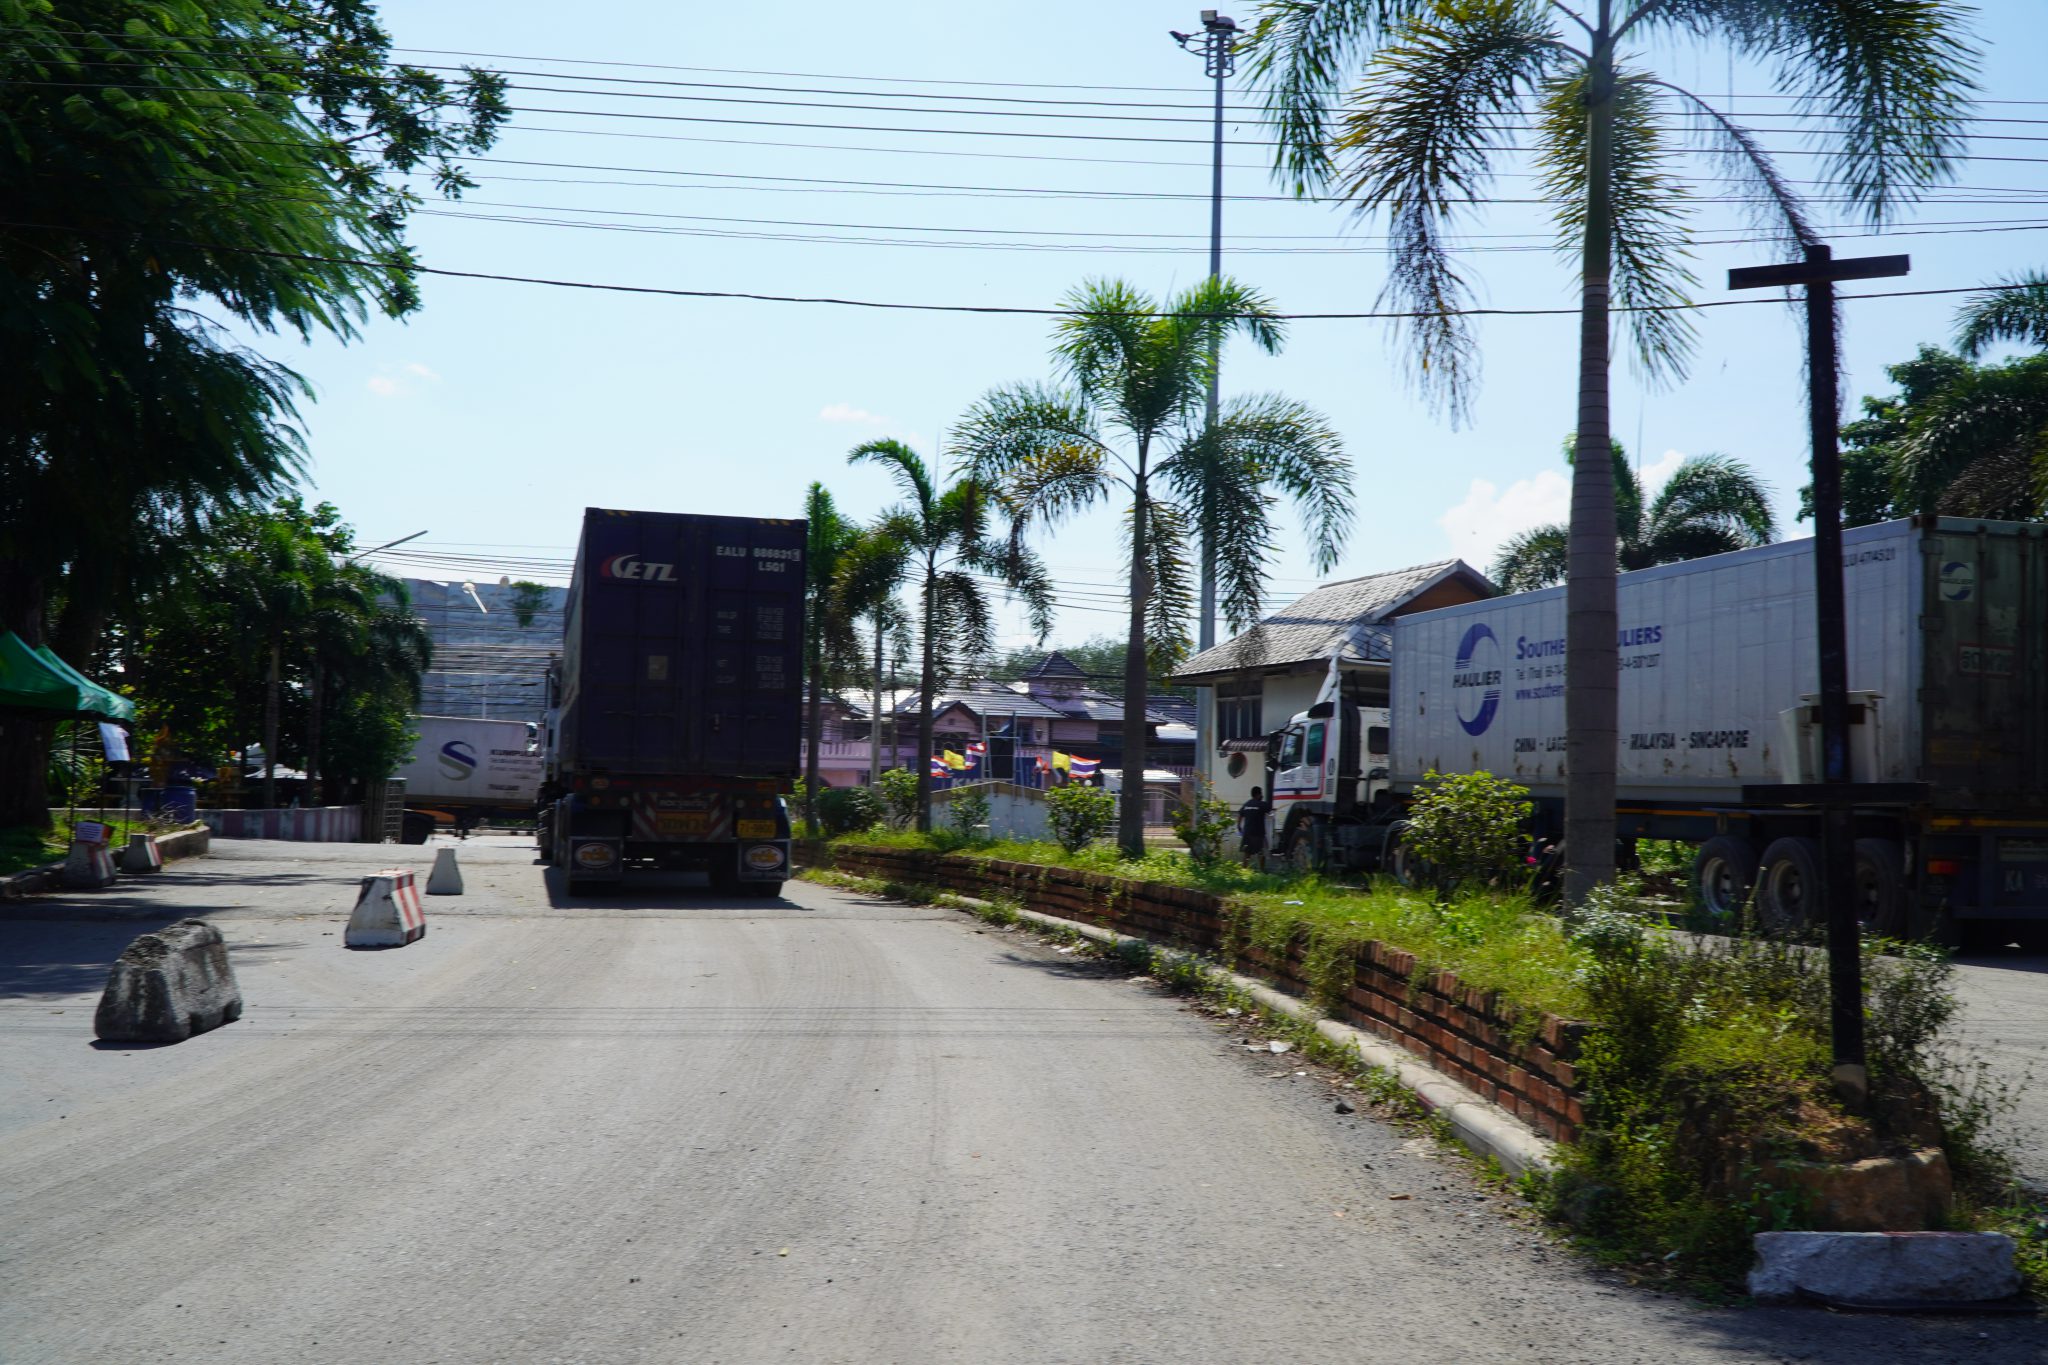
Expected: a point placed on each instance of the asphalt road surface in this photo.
(665, 1128)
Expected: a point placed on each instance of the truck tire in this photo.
(1305, 841)
(1724, 874)
(1881, 892)
(1788, 886)
(1398, 860)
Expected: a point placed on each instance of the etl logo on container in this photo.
(633, 567)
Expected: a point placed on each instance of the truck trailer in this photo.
(464, 771)
(674, 715)
(1718, 743)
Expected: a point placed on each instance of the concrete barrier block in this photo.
(88, 867)
(388, 912)
(168, 986)
(446, 878)
(142, 854)
(1884, 1267)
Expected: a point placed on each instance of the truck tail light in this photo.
(1943, 867)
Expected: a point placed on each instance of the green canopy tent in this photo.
(37, 680)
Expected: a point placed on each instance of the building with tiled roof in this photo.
(1267, 673)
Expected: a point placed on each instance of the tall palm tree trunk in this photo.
(1130, 816)
(814, 723)
(875, 711)
(927, 688)
(1592, 681)
(271, 686)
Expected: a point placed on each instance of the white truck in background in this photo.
(1948, 676)
(464, 772)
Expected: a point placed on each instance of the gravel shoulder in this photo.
(664, 1127)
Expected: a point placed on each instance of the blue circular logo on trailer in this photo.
(1475, 679)
(458, 759)
(1958, 580)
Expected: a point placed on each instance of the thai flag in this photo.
(939, 768)
(1083, 767)
(977, 747)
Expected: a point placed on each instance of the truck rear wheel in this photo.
(1397, 857)
(1723, 874)
(1881, 892)
(1788, 888)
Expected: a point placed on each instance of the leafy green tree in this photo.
(1711, 504)
(871, 570)
(1444, 92)
(949, 539)
(1470, 828)
(1130, 428)
(130, 416)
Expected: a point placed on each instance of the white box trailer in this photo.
(464, 769)
(1947, 632)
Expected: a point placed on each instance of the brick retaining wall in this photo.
(1469, 1035)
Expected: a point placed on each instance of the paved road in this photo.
(668, 1128)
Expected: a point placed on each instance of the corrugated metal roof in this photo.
(1313, 627)
(984, 699)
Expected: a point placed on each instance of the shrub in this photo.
(1080, 815)
(899, 797)
(968, 813)
(843, 810)
(1202, 825)
(1468, 829)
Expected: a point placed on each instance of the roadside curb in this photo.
(1484, 1127)
(186, 843)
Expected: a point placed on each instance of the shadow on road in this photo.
(56, 958)
(656, 891)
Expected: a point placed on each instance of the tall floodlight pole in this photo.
(1835, 796)
(1216, 45)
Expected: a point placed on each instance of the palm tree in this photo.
(2014, 309)
(1712, 504)
(946, 533)
(870, 571)
(828, 637)
(1442, 95)
(1140, 371)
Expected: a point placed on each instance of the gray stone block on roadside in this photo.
(168, 986)
(1884, 1267)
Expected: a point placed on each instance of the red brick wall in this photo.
(1467, 1034)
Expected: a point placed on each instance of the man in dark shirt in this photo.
(1251, 829)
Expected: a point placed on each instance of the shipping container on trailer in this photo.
(675, 708)
(1947, 632)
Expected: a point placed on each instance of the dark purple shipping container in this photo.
(682, 648)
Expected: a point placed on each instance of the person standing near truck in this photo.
(1251, 829)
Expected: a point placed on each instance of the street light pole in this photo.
(1217, 47)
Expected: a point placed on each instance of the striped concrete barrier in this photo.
(142, 854)
(88, 867)
(388, 912)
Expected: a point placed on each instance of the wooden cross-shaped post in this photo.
(1819, 272)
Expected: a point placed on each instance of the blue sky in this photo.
(498, 412)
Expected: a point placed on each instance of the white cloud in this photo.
(847, 412)
(1654, 476)
(1478, 526)
(391, 381)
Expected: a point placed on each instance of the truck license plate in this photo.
(757, 829)
(676, 824)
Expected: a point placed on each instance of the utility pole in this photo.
(1217, 46)
(1818, 272)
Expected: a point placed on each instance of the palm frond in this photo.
(1534, 559)
(1894, 78)
(1417, 140)
(904, 464)
(1102, 339)
(1716, 493)
(1302, 53)
(1024, 424)
(1976, 438)
(2017, 311)
(1169, 571)
(964, 625)
(1778, 210)
(1646, 205)
(1265, 439)
(1221, 492)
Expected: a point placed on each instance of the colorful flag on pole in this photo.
(1060, 762)
(1083, 767)
(976, 749)
(1043, 766)
(939, 768)
(956, 761)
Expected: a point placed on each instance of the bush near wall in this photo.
(1516, 1058)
